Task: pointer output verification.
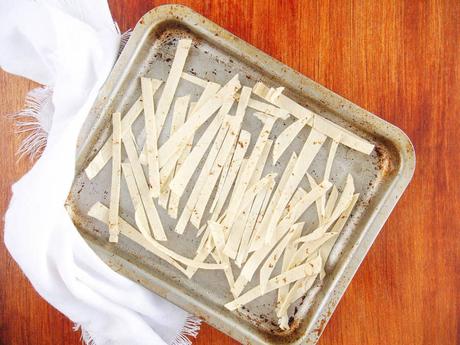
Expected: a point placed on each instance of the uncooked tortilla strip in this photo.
(259, 232)
(138, 172)
(260, 216)
(224, 152)
(299, 289)
(105, 153)
(284, 278)
(193, 79)
(151, 140)
(319, 123)
(202, 177)
(326, 248)
(178, 119)
(319, 204)
(173, 144)
(268, 109)
(298, 195)
(309, 151)
(309, 248)
(209, 91)
(236, 233)
(139, 211)
(330, 159)
(241, 187)
(296, 211)
(291, 248)
(236, 229)
(331, 202)
(257, 257)
(143, 155)
(167, 171)
(338, 226)
(249, 227)
(169, 90)
(100, 212)
(344, 201)
(327, 173)
(173, 207)
(342, 135)
(223, 176)
(277, 98)
(261, 163)
(185, 173)
(235, 165)
(270, 263)
(286, 137)
(230, 139)
(116, 178)
(243, 103)
(217, 232)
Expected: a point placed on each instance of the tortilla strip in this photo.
(298, 195)
(299, 289)
(100, 212)
(308, 248)
(178, 119)
(193, 79)
(202, 177)
(327, 172)
(151, 140)
(259, 168)
(259, 231)
(169, 90)
(116, 177)
(237, 230)
(224, 152)
(185, 173)
(309, 151)
(270, 263)
(217, 232)
(250, 224)
(256, 259)
(171, 146)
(331, 202)
(105, 153)
(268, 109)
(291, 248)
(138, 172)
(284, 278)
(235, 165)
(321, 124)
(286, 137)
(140, 216)
(239, 191)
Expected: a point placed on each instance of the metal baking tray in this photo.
(217, 55)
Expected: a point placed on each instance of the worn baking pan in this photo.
(217, 55)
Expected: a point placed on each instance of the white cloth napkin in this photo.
(70, 46)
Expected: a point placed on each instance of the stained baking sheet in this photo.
(217, 55)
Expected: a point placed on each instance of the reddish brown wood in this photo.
(397, 59)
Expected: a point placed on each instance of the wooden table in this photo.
(399, 60)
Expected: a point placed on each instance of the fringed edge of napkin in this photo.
(34, 120)
(37, 115)
(190, 329)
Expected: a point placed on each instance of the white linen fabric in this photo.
(70, 46)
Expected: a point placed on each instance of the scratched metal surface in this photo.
(216, 55)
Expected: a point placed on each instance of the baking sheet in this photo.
(217, 55)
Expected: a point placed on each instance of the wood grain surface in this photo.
(397, 59)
